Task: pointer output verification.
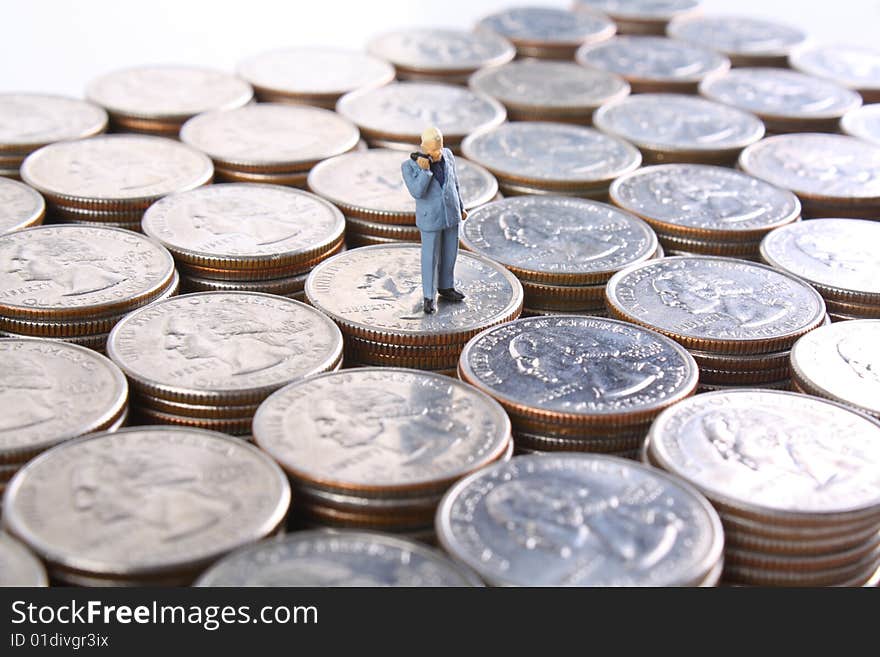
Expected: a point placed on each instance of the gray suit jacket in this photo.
(437, 207)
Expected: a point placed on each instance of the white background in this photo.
(59, 45)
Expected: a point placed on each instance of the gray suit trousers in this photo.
(439, 251)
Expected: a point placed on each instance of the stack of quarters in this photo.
(368, 188)
(111, 180)
(247, 237)
(832, 175)
(738, 319)
(840, 362)
(838, 257)
(786, 101)
(376, 448)
(269, 143)
(54, 392)
(375, 294)
(539, 90)
(853, 67)
(30, 121)
(223, 494)
(158, 100)
(771, 462)
(393, 116)
(863, 122)
(746, 41)
(653, 63)
(698, 209)
(439, 55)
(516, 524)
(547, 32)
(312, 75)
(74, 283)
(20, 206)
(536, 157)
(209, 359)
(577, 383)
(563, 250)
(641, 16)
(680, 128)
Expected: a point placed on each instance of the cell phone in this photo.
(415, 156)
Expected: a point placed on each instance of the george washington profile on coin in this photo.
(74, 265)
(231, 335)
(735, 300)
(419, 433)
(838, 251)
(584, 364)
(24, 393)
(632, 527)
(148, 489)
(385, 284)
(770, 442)
(568, 242)
(250, 223)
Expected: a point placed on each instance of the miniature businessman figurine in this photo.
(432, 181)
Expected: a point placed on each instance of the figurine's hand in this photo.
(424, 163)
(464, 215)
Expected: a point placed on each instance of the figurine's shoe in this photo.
(429, 306)
(451, 294)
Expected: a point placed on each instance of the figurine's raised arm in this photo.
(415, 178)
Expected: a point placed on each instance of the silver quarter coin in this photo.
(145, 501)
(115, 169)
(168, 92)
(554, 155)
(28, 121)
(381, 431)
(841, 362)
(578, 369)
(652, 63)
(68, 271)
(717, 304)
(20, 206)
(558, 239)
(270, 135)
(775, 454)
(863, 122)
(668, 126)
(337, 558)
(401, 111)
(747, 41)
(548, 27)
(223, 346)
(837, 256)
(314, 72)
(244, 226)
(579, 520)
(787, 101)
(852, 66)
(376, 293)
(694, 200)
(825, 171)
(442, 51)
(549, 88)
(54, 391)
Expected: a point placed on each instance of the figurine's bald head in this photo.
(432, 142)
